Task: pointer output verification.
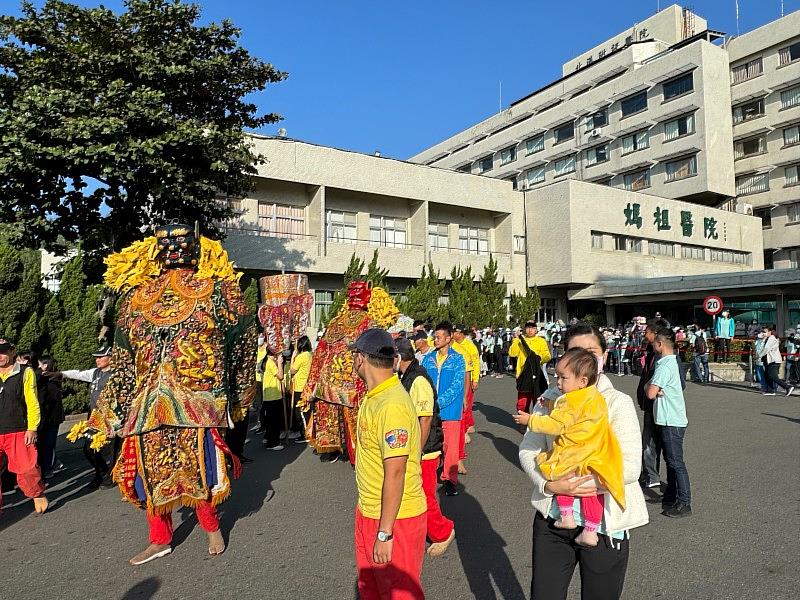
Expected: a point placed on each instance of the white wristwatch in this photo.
(384, 537)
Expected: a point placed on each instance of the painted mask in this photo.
(177, 246)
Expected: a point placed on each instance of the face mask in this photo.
(260, 340)
(600, 364)
(761, 335)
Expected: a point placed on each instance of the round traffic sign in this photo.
(712, 305)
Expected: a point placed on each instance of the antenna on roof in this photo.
(737, 18)
(781, 8)
(501, 97)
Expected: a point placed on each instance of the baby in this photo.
(584, 444)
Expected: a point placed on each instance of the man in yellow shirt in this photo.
(390, 522)
(464, 345)
(19, 420)
(532, 354)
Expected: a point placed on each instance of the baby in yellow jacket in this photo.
(584, 444)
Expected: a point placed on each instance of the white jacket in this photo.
(772, 350)
(625, 424)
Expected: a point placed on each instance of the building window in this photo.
(638, 180)
(508, 155)
(485, 164)
(693, 252)
(625, 243)
(794, 259)
(768, 260)
(790, 173)
(679, 127)
(519, 244)
(565, 165)
(513, 180)
(534, 144)
(534, 175)
(635, 141)
(789, 54)
(597, 241)
(661, 248)
(340, 226)
(473, 240)
(747, 111)
(437, 236)
(548, 311)
(281, 220)
(750, 147)
(793, 213)
(603, 181)
(387, 231)
(322, 302)
(634, 104)
(598, 154)
(791, 97)
(597, 120)
(752, 184)
(467, 168)
(765, 214)
(748, 70)
(791, 135)
(564, 132)
(52, 283)
(679, 86)
(730, 256)
(681, 168)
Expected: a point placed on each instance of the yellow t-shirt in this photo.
(260, 354)
(536, 344)
(388, 427)
(422, 396)
(271, 382)
(29, 393)
(440, 358)
(302, 364)
(469, 351)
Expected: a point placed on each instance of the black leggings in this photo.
(555, 555)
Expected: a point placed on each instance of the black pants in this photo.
(773, 377)
(236, 436)
(272, 421)
(96, 459)
(555, 555)
(294, 416)
(723, 348)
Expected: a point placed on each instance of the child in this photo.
(669, 414)
(271, 397)
(585, 444)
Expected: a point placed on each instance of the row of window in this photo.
(758, 144)
(627, 243)
(754, 109)
(755, 67)
(765, 214)
(755, 183)
(635, 103)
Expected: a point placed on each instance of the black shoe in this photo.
(245, 460)
(95, 483)
(678, 510)
(107, 482)
(325, 457)
(450, 489)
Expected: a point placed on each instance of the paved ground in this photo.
(289, 522)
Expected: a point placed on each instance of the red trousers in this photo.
(525, 401)
(23, 461)
(451, 449)
(466, 422)
(439, 526)
(161, 525)
(400, 578)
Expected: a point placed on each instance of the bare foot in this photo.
(216, 545)
(462, 469)
(587, 538)
(471, 429)
(467, 439)
(439, 548)
(40, 504)
(565, 522)
(152, 552)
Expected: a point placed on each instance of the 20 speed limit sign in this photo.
(712, 305)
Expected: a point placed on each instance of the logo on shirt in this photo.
(397, 438)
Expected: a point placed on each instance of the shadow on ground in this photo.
(496, 415)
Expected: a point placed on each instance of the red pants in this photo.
(467, 416)
(161, 525)
(525, 401)
(23, 461)
(591, 509)
(466, 422)
(439, 526)
(451, 449)
(400, 578)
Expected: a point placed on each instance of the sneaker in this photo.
(255, 427)
(58, 467)
(450, 489)
(293, 435)
(301, 440)
(95, 483)
(275, 447)
(678, 510)
(654, 484)
(335, 457)
(769, 393)
(152, 552)
(791, 389)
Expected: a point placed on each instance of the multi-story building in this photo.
(668, 108)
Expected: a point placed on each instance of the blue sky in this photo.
(399, 77)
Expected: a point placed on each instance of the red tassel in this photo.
(220, 443)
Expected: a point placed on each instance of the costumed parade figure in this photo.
(333, 392)
(183, 368)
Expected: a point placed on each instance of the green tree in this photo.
(422, 299)
(251, 295)
(375, 275)
(463, 302)
(351, 273)
(524, 306)
(22, 297)
(112, 122)
(490, 299)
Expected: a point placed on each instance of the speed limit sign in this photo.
(712, 305)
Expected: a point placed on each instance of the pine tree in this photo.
(375, 275)
(352, 273)
(422, 299)
(251, 295)
(463, 302)
(490, 299)
(21, 297)
(524, 307)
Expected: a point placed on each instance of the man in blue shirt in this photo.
(669, 414)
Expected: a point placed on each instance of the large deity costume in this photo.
(333, 392)
(182, 368)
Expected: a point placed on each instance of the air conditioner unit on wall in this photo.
(595, 133)
(744, 208)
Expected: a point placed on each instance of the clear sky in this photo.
(399, 77)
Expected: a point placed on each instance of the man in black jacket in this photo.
(419, 386)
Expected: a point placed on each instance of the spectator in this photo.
(52, 409)
(299, 370)
(422, 345)
(793, 357)
(530, 349)
(700, 357)
(771, 357)
(272, 417)
(651, 441)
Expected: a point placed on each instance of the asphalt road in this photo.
(289, 522)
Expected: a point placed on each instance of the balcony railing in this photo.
(752, 184)
(255, 231)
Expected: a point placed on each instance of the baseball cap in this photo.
(102, 351)
(420, 335)
(5, 345)
(375, 342)
(459, 327)
(530, 324)
(404, 348)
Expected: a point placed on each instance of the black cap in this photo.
(375, 342)
(420, 335)
(102, 351)
(404, 348)
(6, 346)
(459, 327)
(531, 324)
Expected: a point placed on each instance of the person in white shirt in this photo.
(771, 358)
